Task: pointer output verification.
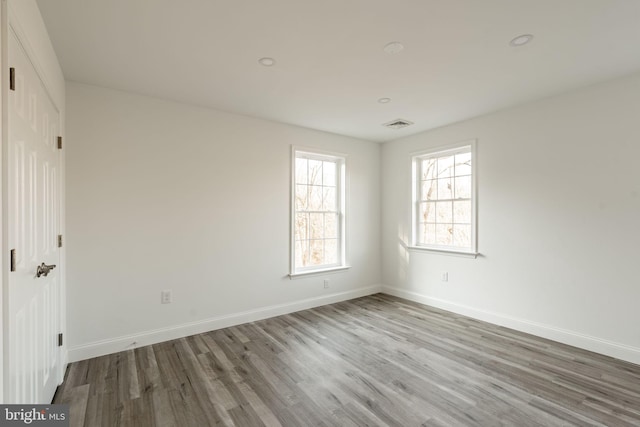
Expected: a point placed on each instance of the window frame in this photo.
(341, 208)
(442, 151)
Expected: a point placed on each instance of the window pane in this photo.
(302, 253)
(444, 212)
(428, 169)
(301, 171)
(315, 172)
(428, 212)
(444, 234)
(329, 199)
(301, 197)
(329, 174)
(429, 189)
(463, 164)
(315, 198)
(331, 225)
(462, 235)
(331, 251)
(445, 167)
(317, 252)
(316, 225)
(444, 198)
(462, 212)
(463, 187)
(302, 226)
(427, 234)
(445, 189)
(316, 228)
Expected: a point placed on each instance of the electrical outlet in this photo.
(326, 284)
(165, 297)
(444, 276)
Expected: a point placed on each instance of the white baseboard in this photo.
(586, 342)
(128, 342)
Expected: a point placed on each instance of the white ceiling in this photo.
(331, 67)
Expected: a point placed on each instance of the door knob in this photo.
(44, 269)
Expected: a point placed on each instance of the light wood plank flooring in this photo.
(373, 361)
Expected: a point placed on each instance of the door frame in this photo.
(4, 87)
(10, 22)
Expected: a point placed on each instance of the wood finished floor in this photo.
(373, 361)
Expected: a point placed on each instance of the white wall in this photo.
(559, 212)
(168, 196)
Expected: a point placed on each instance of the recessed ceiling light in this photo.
(267, 62)
(394, 47)
(521, 40)
(384, 100)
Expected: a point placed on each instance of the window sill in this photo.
(463, 254)
(318, 272)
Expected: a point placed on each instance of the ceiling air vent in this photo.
(398, 124)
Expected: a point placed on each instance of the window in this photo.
(444, 212)
(318, 217)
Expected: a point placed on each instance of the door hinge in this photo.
(59, 143)
(59, 240)
(13, 260)
(60, 340)
(12, 78)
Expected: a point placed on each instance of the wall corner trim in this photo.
(129, 342)
(575, 339)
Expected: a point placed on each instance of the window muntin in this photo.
(317, 212)
(444, 199)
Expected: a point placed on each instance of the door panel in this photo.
(33, 172)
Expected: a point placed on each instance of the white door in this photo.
(33, 218)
